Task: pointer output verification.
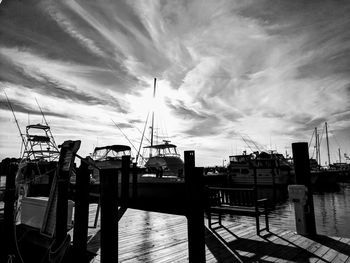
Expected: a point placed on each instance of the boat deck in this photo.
(156, 237)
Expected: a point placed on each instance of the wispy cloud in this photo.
(263, 68)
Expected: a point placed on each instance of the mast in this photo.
(316, 145)
(319, 149)
(339, 155)
(154, 94)
(329, 158)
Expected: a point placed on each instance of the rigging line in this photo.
(256, 146)
(142, 132)
(143, 135)
(126, 137)
(247, 143)
(312, 136)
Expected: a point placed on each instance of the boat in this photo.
(108, 157)
(163, 160)
(271, 169)
(326, 175)
(166, 162)
(38, 162)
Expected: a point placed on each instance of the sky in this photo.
(231, 75)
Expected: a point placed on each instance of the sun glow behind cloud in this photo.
(271, 71)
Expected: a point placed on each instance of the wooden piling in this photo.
(134, 181)
(125, 180)
(303, 177)
(195, 209)
(65, 166)
(9, 213)
(109, 215)
(81, 212)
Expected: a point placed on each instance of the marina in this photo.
(174, 131)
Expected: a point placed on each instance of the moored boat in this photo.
(270, 169)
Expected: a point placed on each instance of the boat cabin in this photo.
(111, 152)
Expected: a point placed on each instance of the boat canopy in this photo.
(116, 148)
(38, 126)
(161, 146)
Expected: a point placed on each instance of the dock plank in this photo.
(156, 237)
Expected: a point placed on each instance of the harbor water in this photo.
(332, 211)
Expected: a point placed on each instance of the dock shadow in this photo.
(254, 250)
(338, 246)
(218, 248)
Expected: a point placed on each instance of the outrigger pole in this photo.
(154, 94)
(127, 138)
(13, 112)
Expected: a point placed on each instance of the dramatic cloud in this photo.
(266, 71)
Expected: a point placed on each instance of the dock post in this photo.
(109, 215)
(195, 209)
(65, 166)
(8, 239)
(134, 181)
(303, 177)
(125, 180)
(81, 212)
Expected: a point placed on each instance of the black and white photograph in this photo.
(174, 131)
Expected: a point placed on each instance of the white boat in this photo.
(166, 162)
(271, 168)
(108, 157)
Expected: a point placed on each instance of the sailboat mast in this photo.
(154, 94)
(329, 158)
(339, 155)
(316, 145)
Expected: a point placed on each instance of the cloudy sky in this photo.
(229, 73)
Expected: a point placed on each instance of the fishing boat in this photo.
(163, 160)
(38, 161)
(108, 157)
(269, 168)
(166, 162)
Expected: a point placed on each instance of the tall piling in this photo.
(109, 215)
(125, 180)
(81, 211)
(194, 182)
(303, 177)
(9, 238)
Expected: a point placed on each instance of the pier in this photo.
(158, 237)
(149, 221)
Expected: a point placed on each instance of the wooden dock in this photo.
(156, 237)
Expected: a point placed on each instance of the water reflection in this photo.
(332, 210)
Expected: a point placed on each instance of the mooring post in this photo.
(65, 166)
(109, 215)
(195, 209)
(303, 199)
(9, 198)
(134, 180)
(81, 211)
(125, 180)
